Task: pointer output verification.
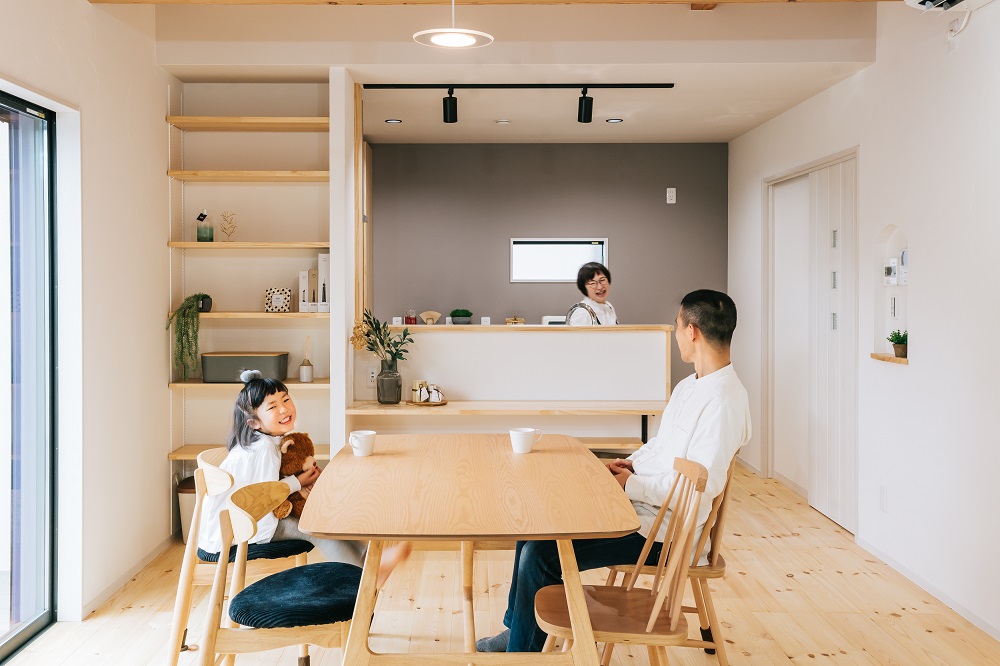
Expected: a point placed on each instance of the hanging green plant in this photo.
(185, 320)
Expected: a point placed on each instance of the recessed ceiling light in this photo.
(614, 120)
(503, 121)
(393, 121)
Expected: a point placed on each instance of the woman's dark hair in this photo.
(713, 312)
(255, 390)
(588, 272)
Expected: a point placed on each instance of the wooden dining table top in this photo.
(427, 487)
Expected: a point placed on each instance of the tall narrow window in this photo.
(26, 384)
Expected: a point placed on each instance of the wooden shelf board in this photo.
(197, 384)
(889, 358)
(251, 176)
(191, 451)
(262, 315)
(442, 328)
(238, 245)
(490, 407)
(250, 124)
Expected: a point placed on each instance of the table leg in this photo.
(356, 650)
(583, 650)
(468, 547)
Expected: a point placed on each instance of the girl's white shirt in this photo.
(604, 311)
(261, 461)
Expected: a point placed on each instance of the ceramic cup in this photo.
(523, 439)
(363, 442)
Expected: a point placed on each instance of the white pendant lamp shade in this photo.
(453, 38)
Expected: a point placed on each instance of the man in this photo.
(707, 420)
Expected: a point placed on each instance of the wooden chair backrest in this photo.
(249, 504)
(672, 567)
(216, 479)
(716, 522)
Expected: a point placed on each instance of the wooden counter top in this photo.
(422, 328)
(491, 407)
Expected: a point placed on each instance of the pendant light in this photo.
(453, 38)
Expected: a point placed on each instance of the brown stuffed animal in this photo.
(297, 455)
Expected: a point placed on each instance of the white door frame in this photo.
(767, 337)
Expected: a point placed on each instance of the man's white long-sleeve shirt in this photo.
(706, 420)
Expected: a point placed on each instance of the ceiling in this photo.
(734, 67)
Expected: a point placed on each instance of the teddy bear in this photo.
(297, 455)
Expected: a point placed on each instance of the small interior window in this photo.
(554, 259)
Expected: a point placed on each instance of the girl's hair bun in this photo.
(248, 376)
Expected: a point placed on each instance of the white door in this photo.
(813, 352)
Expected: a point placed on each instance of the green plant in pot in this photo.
(898, 341)
(374, 335)
(461, 316)
(185, 320)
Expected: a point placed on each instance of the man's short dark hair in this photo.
(713, 313)
(587, 273)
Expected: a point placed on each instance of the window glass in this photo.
(554, 259)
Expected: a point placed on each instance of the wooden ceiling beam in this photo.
(447, 2)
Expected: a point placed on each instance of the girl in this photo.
(262, 415)
(594, 282)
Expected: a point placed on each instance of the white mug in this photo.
(523, 439)
(363, 442)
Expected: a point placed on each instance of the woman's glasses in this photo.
(602, 282)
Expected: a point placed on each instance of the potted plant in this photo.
(898, 341)
(461, 316)
(185, 320)
(373, 335)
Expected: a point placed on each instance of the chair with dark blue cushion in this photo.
(198, 567)
(310, 604)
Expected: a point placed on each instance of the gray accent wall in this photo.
(443, 216)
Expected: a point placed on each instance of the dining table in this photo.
(468, 488)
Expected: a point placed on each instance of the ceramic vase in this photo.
(388, 384)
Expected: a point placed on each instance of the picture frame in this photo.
(278, 299)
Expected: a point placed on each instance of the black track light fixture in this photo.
(450, 107)
(585, 109)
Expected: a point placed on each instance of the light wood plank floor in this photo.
(798, 591)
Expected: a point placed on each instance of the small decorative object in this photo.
(430, 317)
(514, 321)
(898, 341)
(205, 304)
(186, 323)
(205, 232)
(228, 225)
(410, 317)
(426, 395)
(461, 316)
(373, 335)
(278, 299)
(306, 368)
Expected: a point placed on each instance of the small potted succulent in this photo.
(461, 316)
(898, 341)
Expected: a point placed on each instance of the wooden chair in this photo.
(699, 575)
(211, 480)
(310, 604)
(628, 614)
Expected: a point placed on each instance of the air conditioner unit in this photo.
(945, 5)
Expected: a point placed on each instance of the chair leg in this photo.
(182, 606)
(606, 655)
(304, 655)
(654, 659)
(550, 641)
(567, 645)
(661, 653)
(713, 625)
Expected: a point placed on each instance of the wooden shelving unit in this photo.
(244, 245)
(263, 315)
(250, 124)
(198, 385)
(889, 358)
(250, 176)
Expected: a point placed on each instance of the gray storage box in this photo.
(225, 367)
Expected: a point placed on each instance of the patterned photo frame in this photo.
(278, 299)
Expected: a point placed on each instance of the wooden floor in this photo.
(798, 591)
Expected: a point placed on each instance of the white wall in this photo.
(929, 163)
(97, 64)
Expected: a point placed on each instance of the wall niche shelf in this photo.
(250, 176)
(247, 245)
(889, 358)
(262, 315)
(318, 384)
(250, 124)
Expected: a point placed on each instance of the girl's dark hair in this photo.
(255, 390)
(587, 273)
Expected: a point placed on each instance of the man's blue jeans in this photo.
(536, 564)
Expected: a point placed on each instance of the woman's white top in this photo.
(261, 461)
(605, 313)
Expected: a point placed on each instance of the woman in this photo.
(594, 282)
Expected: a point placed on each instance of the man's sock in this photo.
(496, 643)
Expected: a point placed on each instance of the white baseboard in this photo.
(750, 467)
(109, 591)
(928, 587)
(794, 487)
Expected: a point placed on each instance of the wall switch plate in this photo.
(671, 195)
(485, 321)
(371, 376)
(397, 321)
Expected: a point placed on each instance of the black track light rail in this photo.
(510, 86)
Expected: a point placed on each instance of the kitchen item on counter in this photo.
(514, 321)
(430, 317)
(305, 371)
(523, 439)
(362, 442)
(410, 318)
(225, 367)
